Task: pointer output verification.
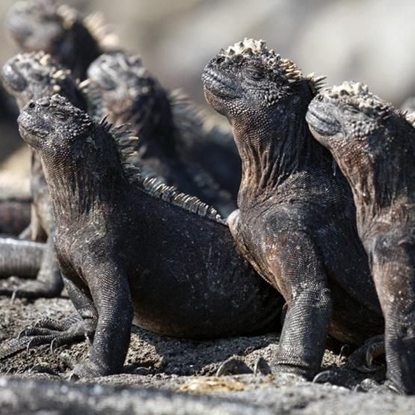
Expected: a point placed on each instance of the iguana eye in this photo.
(350, 109)
(254, 73)
(60, 115)
(38, 77)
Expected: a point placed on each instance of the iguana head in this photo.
(125, 88)
(52, 124)
(36, 25)
(249, 78)
(350, 116)
(34, 75)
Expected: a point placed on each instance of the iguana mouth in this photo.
(26, 126)
(219, 85)
(321, 125)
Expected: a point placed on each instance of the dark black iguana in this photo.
(134, 250)
(374, 146)
(74, 41)
(296, 218)
(174, 141)
(27, 76)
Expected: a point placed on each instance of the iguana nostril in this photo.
(31, 104)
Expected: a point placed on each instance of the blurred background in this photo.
(366, 40)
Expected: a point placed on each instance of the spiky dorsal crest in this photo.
(93, 98)
(170, 194)
(101, 31)
(95, 23)
(358, 95)
(153, 186)
(278, 66)
(125, 143)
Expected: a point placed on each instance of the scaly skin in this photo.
(42, 25)
(171, 133)
(27, 76)
(373, 145)
(296, 219)
(134, 251)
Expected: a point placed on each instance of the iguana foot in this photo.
(325, 376)
(87, 369)
(370, 385)
(233, 366)
(262, 367)
(56, 333)
(236, 366)
(362, 358)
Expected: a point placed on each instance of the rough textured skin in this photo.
(296, 219)
(27, 76)
(374, 146)
(173, 139)
(42, 25)
(120, 240)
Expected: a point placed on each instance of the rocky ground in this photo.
(168, 376)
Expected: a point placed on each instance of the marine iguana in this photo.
(374, 146)
(74, 41)
(172, 135)
(296, 218)
(27, 76)
(132, 249)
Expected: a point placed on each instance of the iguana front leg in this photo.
(301, 278)
(297, 272)
(394, 276)
(110, 291)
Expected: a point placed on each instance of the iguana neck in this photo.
(154, 125)
(379, 180)
(79, 49)
(89, 182)
(273, 149)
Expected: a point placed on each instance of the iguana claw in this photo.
(362, 358)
